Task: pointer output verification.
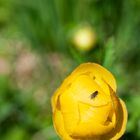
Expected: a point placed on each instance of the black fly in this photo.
(94, 94)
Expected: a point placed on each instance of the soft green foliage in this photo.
(36, 53)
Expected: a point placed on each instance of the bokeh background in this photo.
(42, 41)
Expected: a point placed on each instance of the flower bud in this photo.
(84, 39)
(86, 107)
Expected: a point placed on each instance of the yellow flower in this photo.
(84, 39)
(86, 107)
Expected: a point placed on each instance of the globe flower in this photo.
(86, 107)
(84, 39)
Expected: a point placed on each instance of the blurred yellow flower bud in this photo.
(86, 107)
(84, 39)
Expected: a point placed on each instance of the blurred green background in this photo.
(42, 41)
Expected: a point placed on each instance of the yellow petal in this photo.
(119, 130)
(97, 70)
(59, 126)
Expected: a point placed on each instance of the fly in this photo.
(94, 94)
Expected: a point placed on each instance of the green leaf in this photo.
(109, 53)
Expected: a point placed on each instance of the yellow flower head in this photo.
(86, 107)
(84, 39)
